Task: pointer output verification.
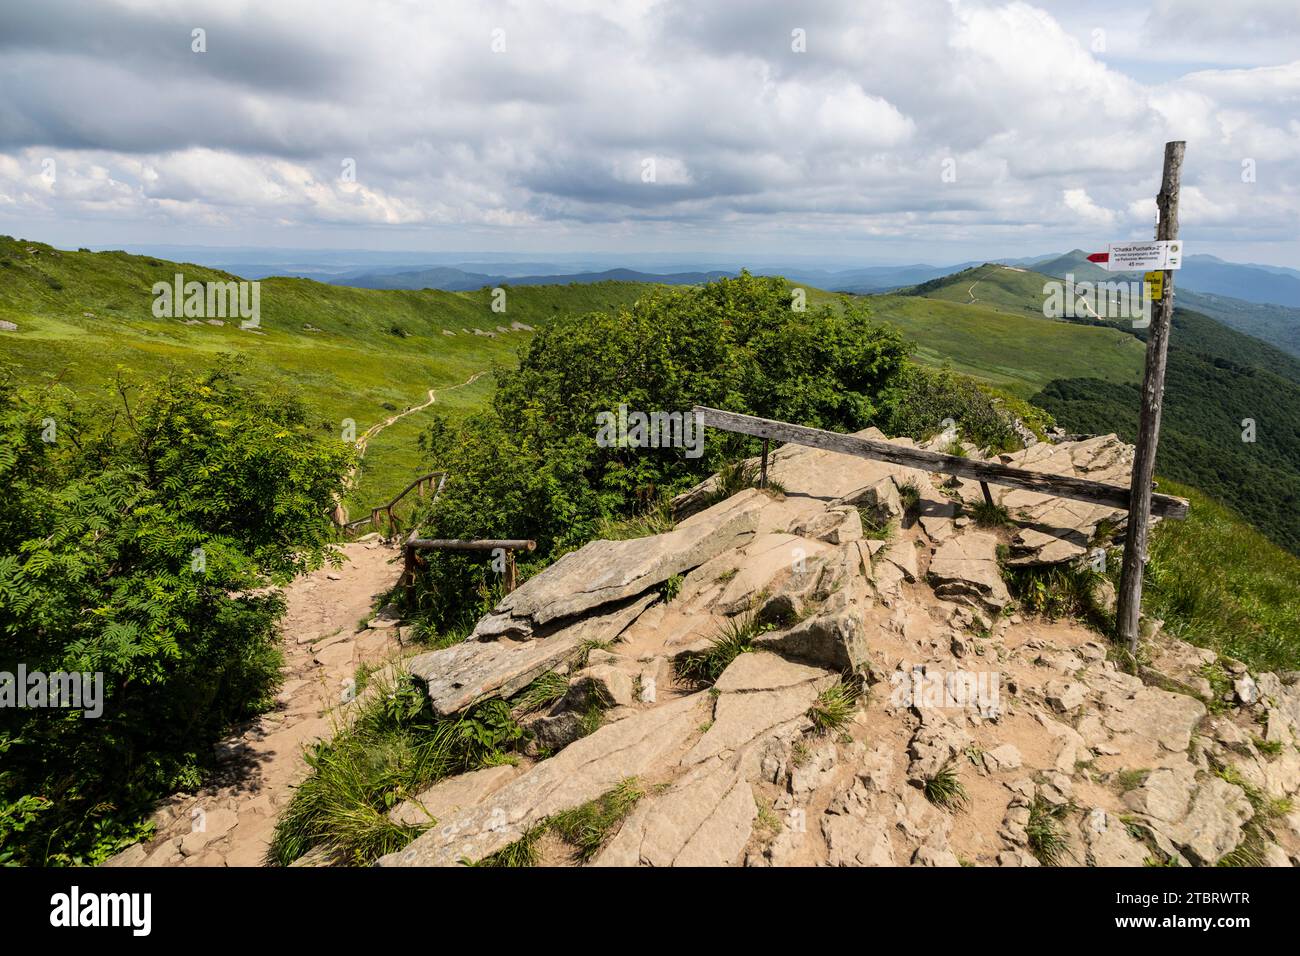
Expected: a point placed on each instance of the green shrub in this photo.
(919, 403)
(140, 530)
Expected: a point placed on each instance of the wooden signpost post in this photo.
(1153, 391)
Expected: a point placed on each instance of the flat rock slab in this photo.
(967, 565)
(767, 562)
(1162, 715)
(666, 629)
(858, 842)
(603, 572)
(583, 771)
(705, 819)
(454, 793)
(1060, 529)
(757, 692)
(829, 475)
(473, 670)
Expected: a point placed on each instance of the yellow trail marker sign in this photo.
(1155, 282)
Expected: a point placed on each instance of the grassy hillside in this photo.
(1278, 326)
(1007, 289)
(1218, 583)
(82, 315)
(988, 321)
(1010, 346)
(1201, 433)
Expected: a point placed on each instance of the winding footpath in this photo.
(230, 821)
(364, 440)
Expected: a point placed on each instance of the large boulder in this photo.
(836, 640)
(834, 634)
(1213, 822)
(604, 572)
(464, 673)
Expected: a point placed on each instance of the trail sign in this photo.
(1140, 256)
(1129, 611)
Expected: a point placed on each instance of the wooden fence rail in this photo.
(418, 485)
(415, 545)
(1058, 486)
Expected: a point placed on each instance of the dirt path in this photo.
(230, 822)
(378, 427)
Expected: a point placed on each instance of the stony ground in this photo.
(1060, 755)
(230, 822)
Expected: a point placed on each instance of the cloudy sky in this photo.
(871, 130)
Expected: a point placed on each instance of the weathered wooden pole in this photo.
(1153, 392)
(510, 571)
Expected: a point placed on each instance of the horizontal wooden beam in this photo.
(457, 544)
(1057, 486)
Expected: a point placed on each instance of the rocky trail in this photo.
(985, 737)
(329, 631)
(981, 736)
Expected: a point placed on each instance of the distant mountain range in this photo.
(449, 279)
(1260, 300)
(458, 278)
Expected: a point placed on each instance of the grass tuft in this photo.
(735, 638)
(522, 853)
(1046, 831)
(543, 691)
(657, 519)
(946, 790)
(1055, 591)
(989, 515)
(394, 748)
(835, 705)
(588, 828)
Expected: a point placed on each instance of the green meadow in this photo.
(1016, 350)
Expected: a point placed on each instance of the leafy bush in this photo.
(922, 399)
(139, 532)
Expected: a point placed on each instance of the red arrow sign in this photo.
(1099, 257)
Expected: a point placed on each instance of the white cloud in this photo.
(1080, 204)
(751, 139)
